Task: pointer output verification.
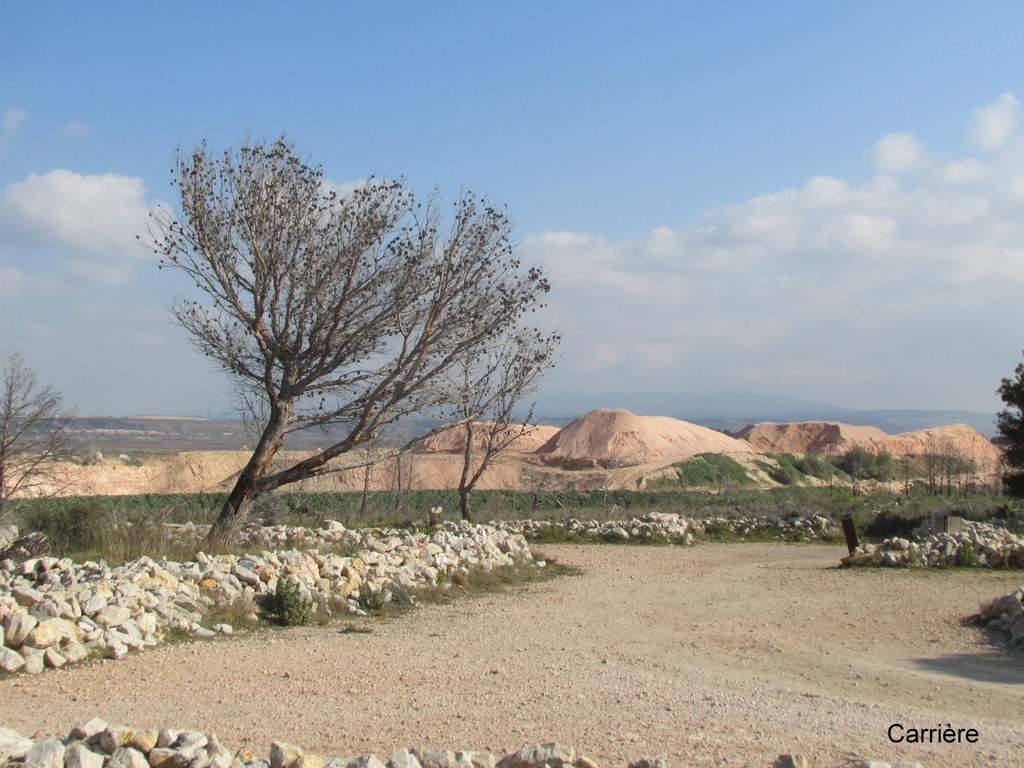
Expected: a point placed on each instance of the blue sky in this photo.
(817, 200)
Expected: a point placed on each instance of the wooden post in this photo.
(850, 532)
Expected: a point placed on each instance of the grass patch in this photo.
(241, 611)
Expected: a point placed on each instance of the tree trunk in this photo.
(466, 480)
(464, 504)
(239, 503)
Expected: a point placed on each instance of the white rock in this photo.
(126, 757)
(17, 626)
(10, 660)
(26, 595)
(78, 755)
(403, 758)
(48, 753)
(88, 729)
(117, 651)
(366, 761)
(44, 634)
(34, 663)
(12, 744)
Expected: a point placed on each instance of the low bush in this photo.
(711, 470)
(287, 606)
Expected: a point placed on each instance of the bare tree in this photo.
(497, 383)
(33, 431)
(332, 309)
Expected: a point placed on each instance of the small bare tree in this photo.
(331, 309)
(33, 431)
(497, 383)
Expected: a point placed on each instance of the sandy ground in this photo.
(723, 655)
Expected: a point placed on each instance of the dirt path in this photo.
(712, 655)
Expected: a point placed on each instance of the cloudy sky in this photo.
(797, 198)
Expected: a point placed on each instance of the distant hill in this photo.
(171, 434)
(891, 421)
(731, 411)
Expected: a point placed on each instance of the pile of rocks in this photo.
(654, 527)
(812, 526)
(1005, 616)
(54, 611)
(662, 527)
(94, 744)
(977, 544)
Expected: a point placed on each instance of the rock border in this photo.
(94, 744)
(55, 612)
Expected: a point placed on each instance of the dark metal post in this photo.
(850, 532)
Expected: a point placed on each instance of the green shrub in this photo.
(371, 601)
(287, 606)
(814, 466)
(860, 464)
(400, 596)
(711, 470)
(968, 556)
(783, 473)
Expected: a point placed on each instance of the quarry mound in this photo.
(617, 438)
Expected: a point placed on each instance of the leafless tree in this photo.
(33, 431)
(498, 383)
(332, 309)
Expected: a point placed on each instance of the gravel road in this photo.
(715, 655)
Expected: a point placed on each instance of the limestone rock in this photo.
(403, 758)
(112, 616)
(78, 755)
(17, 626)
(162, 757)
(539, 755)
(283, 754)
(44, 634)
(34, 663)
(10, 660)
(366, 761)
(26, 595)
(475, 759)
(48, 753)
(792, 761)
(88, 729)
(13, 746)
(114, 737)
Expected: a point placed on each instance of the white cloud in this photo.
(16, 284)
(9, 125)
(994, 124)
(857, 293)
(93, 220)
(898, 153)
(12, 282)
